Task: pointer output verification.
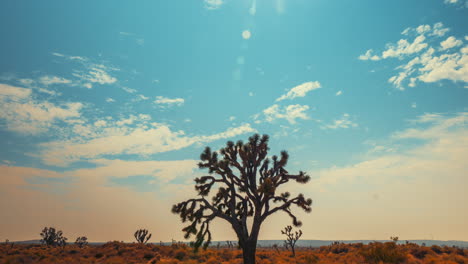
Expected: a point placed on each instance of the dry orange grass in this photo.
(122, 253)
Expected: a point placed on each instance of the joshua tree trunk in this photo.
(248, 243)
(249, 248)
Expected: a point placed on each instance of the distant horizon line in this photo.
(260, 240)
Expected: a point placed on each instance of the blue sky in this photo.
(116, 100)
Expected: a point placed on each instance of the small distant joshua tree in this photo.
(7, 242)
(142, 236)
(52, 237)
(394, 239)
(291, 238)
(81, 241)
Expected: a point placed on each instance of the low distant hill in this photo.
(319, 243)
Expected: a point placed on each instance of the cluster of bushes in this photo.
(118, 252)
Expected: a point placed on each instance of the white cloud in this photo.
(368, 56)
(47, 91)
(110, 100)
(450, 42)
(99, 75)
(58, 54)
(428, 63)
(445, 66)
(135, 135)
(343, 122)
(26, 82)
(403, 47)
(142, 97)
(339, 93)
(129, 90)
(398, 80)
(13, 93)
(461, 3)
(300, 90)
(49, 80)
(23, 114)
(213, 4)
(440, 125)
(439, 30)
(96, 73)
(289, 113)
(423, 29)
(168, 102)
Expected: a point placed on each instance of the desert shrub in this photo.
(226, 254)
(436, 249)
(148, 256)
(180, 254)
(263, 255)
(98, 255)
(383, 252)
(335, 248)
(419, 252)
(212, 260)
(311, 259)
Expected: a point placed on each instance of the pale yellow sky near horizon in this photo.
(416, 194)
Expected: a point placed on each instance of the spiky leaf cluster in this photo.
(142, 236)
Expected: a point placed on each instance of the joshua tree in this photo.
(291, 238)
(247, 182)
(81, 241)
(142, 236)
(7, 242)
(52, 237)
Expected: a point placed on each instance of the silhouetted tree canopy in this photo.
(245, 180)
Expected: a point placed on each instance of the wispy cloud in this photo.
(24, 114)
(97, 74)
(50, 80)
(168, 102)
(136, 135)
(213, 4)
(129, 90)
(300, 90)
(290, 113)
(460, 3)
(369, 56)
(343, 122)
